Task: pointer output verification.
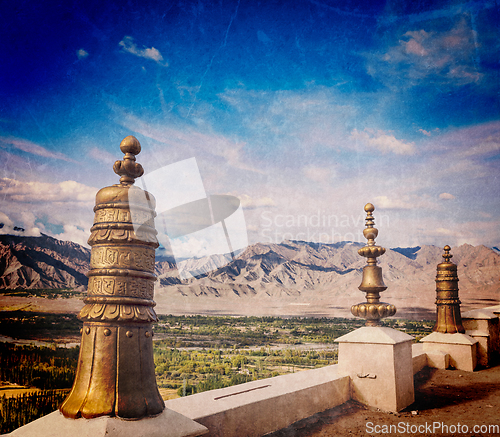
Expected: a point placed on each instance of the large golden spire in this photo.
(116, 374)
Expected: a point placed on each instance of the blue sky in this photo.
(304, 110)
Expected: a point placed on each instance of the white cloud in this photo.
(5, 220)
(82, 54)
(67, 191)
(63, 210)
(75, 234)
(386, 143)
(22, 224)
(249, 202)
(130, 46)
(208, 241)
(446, 196)
(442, 232)
(384, 202)
(30, 147)
(414, 45)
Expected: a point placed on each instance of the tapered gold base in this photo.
(116, 374)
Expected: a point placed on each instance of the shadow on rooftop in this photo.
(436, 390)
(313, 425)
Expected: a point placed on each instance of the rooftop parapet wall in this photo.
(260, 407)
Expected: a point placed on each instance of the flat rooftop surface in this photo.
(446, 402)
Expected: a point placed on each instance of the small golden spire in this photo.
(128, 169)
(448, 317)
(372, 283)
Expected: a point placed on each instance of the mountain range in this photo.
(290, 278)
(42, 262)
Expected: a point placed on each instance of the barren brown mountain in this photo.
(290, 278)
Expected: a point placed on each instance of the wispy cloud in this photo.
(320, 174)
(128, 44)
(456, 233)
(399, 200)
(34, 149)
(384, 142)
(312, 118)
(447, 196)
(249, 202)
(468, 152)
(447, 57)
(189, 141)
(102, 155)
(488, 146)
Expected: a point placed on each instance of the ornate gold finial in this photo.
(128, 169)
(371, 251)
(116, 372)
(448, 317)
(372, 283)
(447, 255)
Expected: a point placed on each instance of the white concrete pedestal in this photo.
(482, 325)
(379, 362)
(461, 348)
(167, 424)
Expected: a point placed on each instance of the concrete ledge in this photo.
(480, 314)
(260, 407)
(375, 335)
(440, 338)
(167, 424)
(494, 308)
(419, 357)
